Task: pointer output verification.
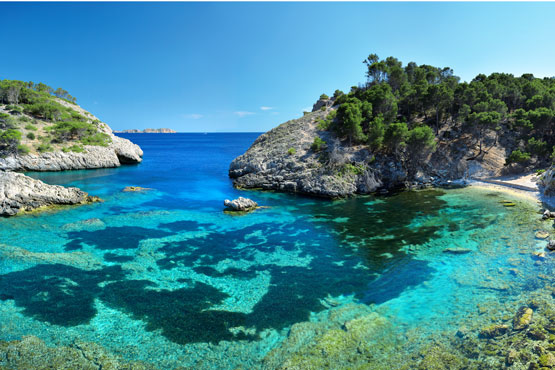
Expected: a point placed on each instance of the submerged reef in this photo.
(32, 353)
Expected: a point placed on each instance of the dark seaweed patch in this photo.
(183, 225)
(57, 294)
(126, 237)
(183, 315)
(112, 257)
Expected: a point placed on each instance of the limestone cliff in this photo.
(282, 159)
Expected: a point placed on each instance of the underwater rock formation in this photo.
(32, 353)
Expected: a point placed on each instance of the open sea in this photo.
(166, 277)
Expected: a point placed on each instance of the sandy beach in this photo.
(521, 186)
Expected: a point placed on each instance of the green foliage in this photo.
(9, 141)
(376, 132)
(517, 156)
(324, 97)
(421, 139)
(325, 124)
(538, 147)
(424, 95)
(23, 149)
(349, 168)
(45, 147)
(30, 127)
(73, 148)
(291, 151)
(98, 139)
(395, 136)
(318, 144)
(540, 171)
(31, 136)
(350, 116)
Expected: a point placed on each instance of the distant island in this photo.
(148, 131)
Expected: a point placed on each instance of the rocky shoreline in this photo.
(20, 193)
(285, 159)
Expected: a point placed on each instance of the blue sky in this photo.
(203, 67)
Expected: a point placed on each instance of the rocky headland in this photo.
(41, 131)
(285, 159)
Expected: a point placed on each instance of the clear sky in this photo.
(250, 66)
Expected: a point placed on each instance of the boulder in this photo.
(493, 331)
(240, 204)
(547, 214)
(551, 245)
(522, 318)
(542, 234)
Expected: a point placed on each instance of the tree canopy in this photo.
(395, 110)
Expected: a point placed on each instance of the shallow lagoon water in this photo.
(164, 276)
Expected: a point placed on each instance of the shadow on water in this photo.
(65, 296)
(125, 237)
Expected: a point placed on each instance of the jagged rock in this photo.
(241, 204)
(493, 331)
(21, 193)
(522, 318)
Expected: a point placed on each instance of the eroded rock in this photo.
(522, 318)
(241, 204)
(20, 193)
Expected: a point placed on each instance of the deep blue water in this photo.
(199, 287)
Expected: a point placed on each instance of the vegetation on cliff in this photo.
(37, 118)
(400, 110)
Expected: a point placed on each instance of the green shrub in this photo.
(324, 97)
(540, 171)
(30, 127)
(318, 144)
(291, 151)
(517, 156)
(31, 136)
(9, 140)
(23, 149)
(537, 147)
(44, 147)
(77, 148)
(323, 108)
(98, 139)
(349, 168)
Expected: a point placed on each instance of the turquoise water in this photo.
(166, 277)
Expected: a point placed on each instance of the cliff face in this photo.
(282, 159)
(120, 151)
